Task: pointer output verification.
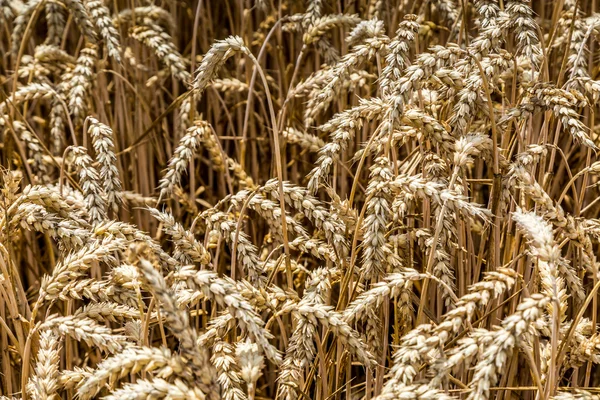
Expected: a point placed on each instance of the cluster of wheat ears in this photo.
(291, 200)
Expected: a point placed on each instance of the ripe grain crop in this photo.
(299, 199)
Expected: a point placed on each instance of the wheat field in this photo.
(299, 199)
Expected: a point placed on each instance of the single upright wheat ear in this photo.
(102, 138)
(44, 384)
(89, 180)
(81, 82)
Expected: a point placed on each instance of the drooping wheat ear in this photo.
(181, 158)
(522, 23)
(417, 344)
(374, 41)
(177, 321)
(223, 359)
(316, 247)
(321, 25)
(305, 140)
(529, 157)
(577, 394)
(132, 234)
(487, 47)
(30, 67)
(391, 286)
(52, 201)
(399, 49)
(584, 344)
(159, 361)
(126, 275)
(314, 81)
(187, 249)
(67, 232)
(429, 66)
(539, 233)
(417, 391)
(430, 127)
(214, 59)
(299, 22)
(270, 211)
(449, 12)
(44, 382)
(363, 31)
(220, 160)
(334, 320)
(209, 142)
(97, 291)
(107, 312)
(11, 180)
(56, 23)
(82, 19)
(157, 15)
(10, 9)
(53, 54)
(81, 83)
(86, 330)
(500, 343)
(240, 174)
(102, 138)
(313, 209)
(378, 257)
(70, 378)
(442, 266)
(247, 252)
(34, 149)
(318, 286)
(216, 330)
(272, 299)
(225, 293)
(343, 126)
(24, 15)
(100, 14)
(74, 265)
(29, 92)
(471, 146)
(471, 103)
(157, 389)
(136, 199)
(155, 37)
(89, 181)
(563, 104)
(251, 364)
(230, 85)
(420, 187)
(554, 213)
